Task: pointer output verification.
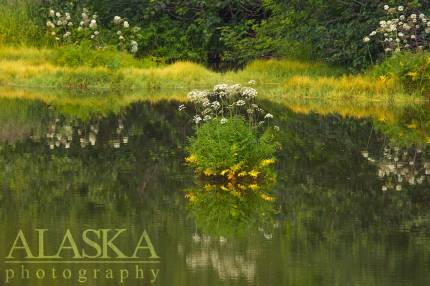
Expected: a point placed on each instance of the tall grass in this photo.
(19, 24)
(82, 68)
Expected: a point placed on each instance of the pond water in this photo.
(352, 196)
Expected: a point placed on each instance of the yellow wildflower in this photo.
(191, 197)
(191, 159)
(224, 188)
(209, 172)
(236, 167)
(267, 197)
(242, 174)
(224, 172)
(412, 125)
(383, 78)
(254, 173)
(413, 75)
(254, 187)
(267, 162)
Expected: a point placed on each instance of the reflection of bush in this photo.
(231, 208)
(401, 166)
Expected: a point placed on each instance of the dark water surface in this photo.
(352, 199)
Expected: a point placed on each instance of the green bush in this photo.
(412, 70)
(85, 55)
(231, 148)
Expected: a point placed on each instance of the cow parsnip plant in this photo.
(235, 138)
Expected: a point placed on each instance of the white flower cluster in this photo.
(400, 166)
(226, 101)
(126, 36)
(61, 26)
(402, 30)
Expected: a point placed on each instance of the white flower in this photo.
(84, 16)
(49, 24)
(402, 17)
(70, 24)
(382, 24)
(400, 34)
(117, 19)
(58, 14)
(82, 23)
(96, 33)
(373, 33)
(276, 127)
(366, 39)
(51, 13)
(197, 119)
(400, 8)
(224, 120)
(240, 102)
(79, 29)
(249, 92)
(93, 24)
(119, 33)
(121, 38)
(215, 105)
(413, 37)
(268, 116)
(182, 107)
(92, 36)
(422, 16)
(53, 33)
(386, 7)
(413, 16)
(57, 39)
(134, 49)
(68, 17)
(220, 87)
(126, 24)
(252, 82)
(59, 23)
(207, 118)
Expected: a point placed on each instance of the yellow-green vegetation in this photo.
(80, 68)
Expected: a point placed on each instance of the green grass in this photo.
(17, 24)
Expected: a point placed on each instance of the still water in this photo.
(352, 196)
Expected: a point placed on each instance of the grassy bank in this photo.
(78, 68)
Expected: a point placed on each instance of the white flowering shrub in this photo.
(126, 36)
(227, 101)
(403, 29)
(68, 24)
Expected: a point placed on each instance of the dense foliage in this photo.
(227, 34)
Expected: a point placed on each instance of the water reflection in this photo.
(328, 223)
(400, 166)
